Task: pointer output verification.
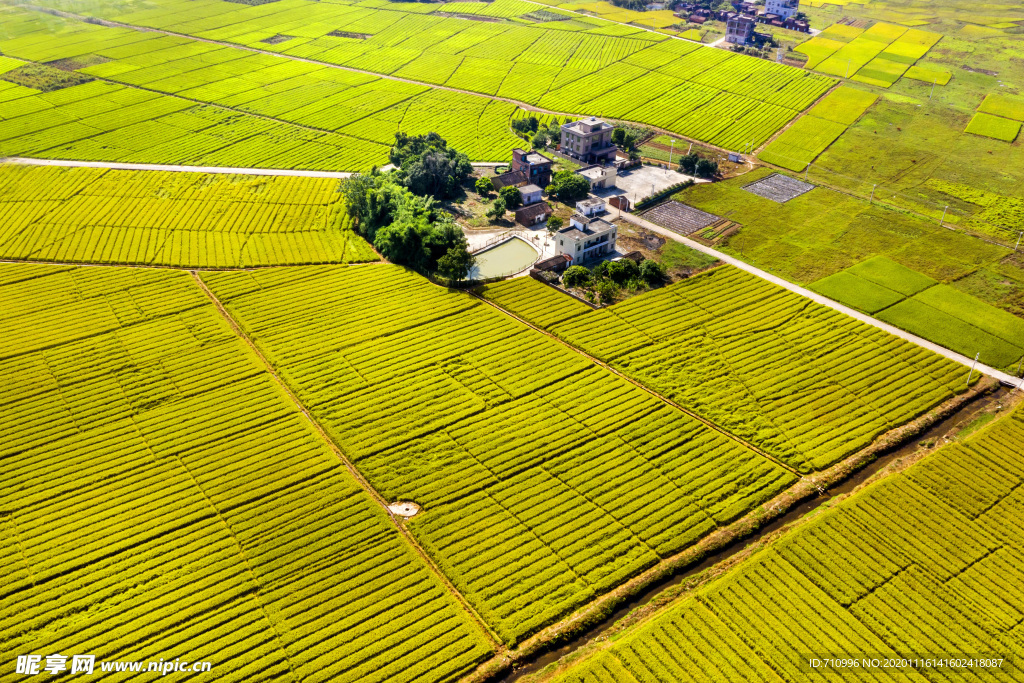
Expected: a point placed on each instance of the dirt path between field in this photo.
(708, 423)
(272, 372)
(825, 301)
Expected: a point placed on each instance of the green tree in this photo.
(607, 290)
(455, 265)
(688, 164)
(652, 272)
(540, 140)
(484, 186)
(429, 165)
(497, 209)
(512, 196)
(623, 270)
(555, 224)
(706, 168)
(576, 276)
(567, 186)
(618, 135)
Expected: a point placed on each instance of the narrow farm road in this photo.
(121, 166)
(825, 301)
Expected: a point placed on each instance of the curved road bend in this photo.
(824, 301)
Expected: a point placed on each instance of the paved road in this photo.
(184, 169)
(824, 301)
(117, 165)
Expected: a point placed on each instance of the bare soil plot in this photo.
(680, 217)
(779, 188)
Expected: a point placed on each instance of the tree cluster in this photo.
(526, 126)
(429, 167)
(635, 5)
(567, 186)
(696, 165)
(406, 228)
(607, 278)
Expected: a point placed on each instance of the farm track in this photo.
(494, 640)
(1003, 377)
(643, 387)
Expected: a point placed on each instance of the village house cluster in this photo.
(741, 21)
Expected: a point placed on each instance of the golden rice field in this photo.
(86, 215)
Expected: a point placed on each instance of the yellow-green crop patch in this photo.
(534, 301)
(158, 480)
(925, 560)
(724, 98)
(811, 135)
(878, 56)
(928, 74)
(544, 479)
(194, 220)
(717, 323)
(1001, 105)
(995, 127)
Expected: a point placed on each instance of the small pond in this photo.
(507, 258)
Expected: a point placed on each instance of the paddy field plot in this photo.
(159, 481)
(723, 98)
(878, 56)
(926, 560)
(198, 220)
(811, 135)
(825, 231)
(802, 382)
(543, 479)
(938, 312)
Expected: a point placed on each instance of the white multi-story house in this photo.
(782, 8)
(586, 237)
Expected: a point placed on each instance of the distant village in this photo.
(742, 18)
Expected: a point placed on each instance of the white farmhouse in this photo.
(586, 237)
(784, 9)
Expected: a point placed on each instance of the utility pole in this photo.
(971, 373)
(872, 200)
(933, 90)
(1018, 241)
(1019, 364)
(942, 220)
(690, 149)
(670, 152)
(848, 62)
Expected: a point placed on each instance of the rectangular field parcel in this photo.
(163, 496)
(925, 561)
(194, 220)
(804, 383)
(724, 98)
(545, 480)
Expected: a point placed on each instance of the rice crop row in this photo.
(801, 381)
(925, 561)
(173, 218)
(159, 481)
(544, 480)
(559, 70)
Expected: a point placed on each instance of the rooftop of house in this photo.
(533, 210)
(587, 126)
(535, 158)
(528, 189)
(592, 172)
(588, 228)
(590, 203)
